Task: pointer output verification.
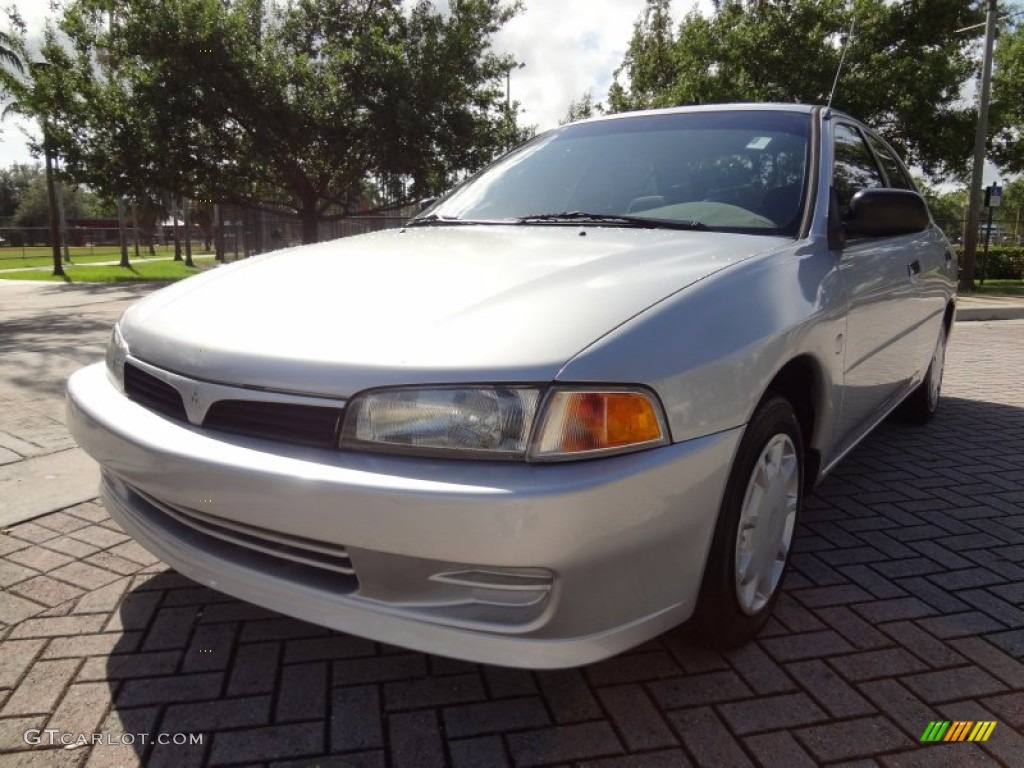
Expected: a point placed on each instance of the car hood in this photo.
(421, 305)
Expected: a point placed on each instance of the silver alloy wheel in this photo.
(767, 518)
(935, 371)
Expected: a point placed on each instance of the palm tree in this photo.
(8, 53)
(22, 94)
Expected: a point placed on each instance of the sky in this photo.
(569, 47)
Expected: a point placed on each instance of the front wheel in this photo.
(754, 534)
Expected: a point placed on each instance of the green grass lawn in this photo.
(39, 256)
(998, 288)
(137, 272)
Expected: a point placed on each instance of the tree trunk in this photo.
(135, 226)
(58, 269)
(63, 223)
(310, 224)
(246, 234)
(177, 238)
(121, 233)
(186, 216)
(257, 229)
(218, 233)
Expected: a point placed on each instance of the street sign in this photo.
(993, 196)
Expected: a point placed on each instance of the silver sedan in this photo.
(576, 402)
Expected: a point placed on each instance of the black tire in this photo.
(720, 620)
(923, 402)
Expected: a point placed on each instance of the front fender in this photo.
(711, 350)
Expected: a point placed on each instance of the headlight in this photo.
(483, 422)
(117, 353)
(502, 422)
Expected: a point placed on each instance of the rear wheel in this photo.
(923, 402)
(750, 549)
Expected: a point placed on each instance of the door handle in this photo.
(914, 268)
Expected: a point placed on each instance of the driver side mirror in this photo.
(886, 213)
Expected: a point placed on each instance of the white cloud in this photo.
(570, 47)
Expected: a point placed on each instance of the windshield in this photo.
(729, 170)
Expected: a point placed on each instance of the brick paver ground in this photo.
(906, 605)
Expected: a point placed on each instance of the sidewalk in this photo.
(74, 264)
(113, 263)
(47, 331)
(989, 308)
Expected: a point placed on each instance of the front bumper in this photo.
(505, 563)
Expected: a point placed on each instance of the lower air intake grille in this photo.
(151, 392)
(315, 563)
(304, 424)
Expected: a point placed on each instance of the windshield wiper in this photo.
(602, 218)
(434, 218)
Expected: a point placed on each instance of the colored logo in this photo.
(958, 730)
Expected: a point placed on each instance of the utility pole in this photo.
(508, 99)
(980, 141)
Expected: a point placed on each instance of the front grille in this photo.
(304, 424)
(149, 391)
(312, 425)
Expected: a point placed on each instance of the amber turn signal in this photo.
(590, 422)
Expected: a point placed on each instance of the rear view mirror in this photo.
(886, 213)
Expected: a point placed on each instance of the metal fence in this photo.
(244, 232)
(248, 232)
(1005, 231)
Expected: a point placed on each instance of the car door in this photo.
(931, 251)
(879, 276)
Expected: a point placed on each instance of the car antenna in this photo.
(842, 59)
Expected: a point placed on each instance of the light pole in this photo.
(508, 101)
(508, 83)
(51, 197)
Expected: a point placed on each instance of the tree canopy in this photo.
(903, 73)
(14, 181)
(1008, 101)
(583, 108)
(311, 108)
(33, 209)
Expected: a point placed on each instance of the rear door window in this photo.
(854, 168)
(897, 177)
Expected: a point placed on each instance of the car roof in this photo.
(733, 107)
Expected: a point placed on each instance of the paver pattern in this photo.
(47, 331)
(905, 605)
